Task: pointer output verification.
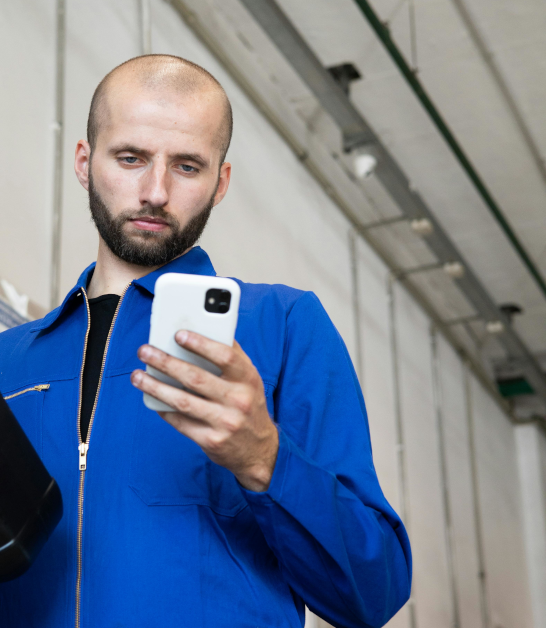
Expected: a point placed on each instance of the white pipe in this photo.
(355, 288)
(478, 526)
(444, 477)
(403, 492)
(145, 27)
(58, 129)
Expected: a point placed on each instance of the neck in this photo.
(112, 274)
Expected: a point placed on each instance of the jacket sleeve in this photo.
(340, 545)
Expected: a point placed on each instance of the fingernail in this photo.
(182, 336)
(145, 351)
(136, 377)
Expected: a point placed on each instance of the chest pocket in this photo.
(27, 406)
(169, 469)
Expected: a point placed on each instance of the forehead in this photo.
(195, 116)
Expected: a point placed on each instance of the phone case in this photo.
(179, 303)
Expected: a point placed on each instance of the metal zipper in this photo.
(83, 447)
(39, 388)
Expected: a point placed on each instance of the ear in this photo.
(82, 161)
(223, 182)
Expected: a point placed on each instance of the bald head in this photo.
(158, 74)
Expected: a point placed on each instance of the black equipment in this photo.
(30, 500)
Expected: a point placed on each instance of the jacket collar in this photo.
(194, 262)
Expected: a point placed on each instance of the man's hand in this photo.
(230, 421)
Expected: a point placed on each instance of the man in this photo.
(252, 499)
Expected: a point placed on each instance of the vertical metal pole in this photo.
(145, 28)
(58, 128)
(413, 35)
(444, 478)
(478, 526)
(353, 243)
(399, 426)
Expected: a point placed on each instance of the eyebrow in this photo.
(130, 148)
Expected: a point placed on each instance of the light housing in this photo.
(455, 270)
(494, 327)
(422, 226)
(364, 164)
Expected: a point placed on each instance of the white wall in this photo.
(531, 442)
(275, 225)
(26, 143)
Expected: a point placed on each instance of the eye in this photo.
(187, 168)
(129, 160)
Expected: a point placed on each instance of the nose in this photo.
(154, 189)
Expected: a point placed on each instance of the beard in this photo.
(146, 248)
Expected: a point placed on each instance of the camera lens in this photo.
(217, 301)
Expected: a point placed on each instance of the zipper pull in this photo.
(83, 456)
(42, 387)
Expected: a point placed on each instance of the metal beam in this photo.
(329, 93)
(353, 125)
(410, 75)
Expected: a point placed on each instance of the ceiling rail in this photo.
(208, 37)
(352, 124)
(382, 31)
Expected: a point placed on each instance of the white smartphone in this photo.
(206, 305)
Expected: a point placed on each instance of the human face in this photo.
(155, 171)
(153, 247)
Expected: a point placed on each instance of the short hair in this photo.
(162, 71)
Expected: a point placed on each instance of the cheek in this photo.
(120, 191)
(190, 195)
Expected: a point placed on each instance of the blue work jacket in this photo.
(154, 534)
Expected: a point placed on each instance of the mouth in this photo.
(148, 223)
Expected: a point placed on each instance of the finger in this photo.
(191, 376)
(211, 441)
(192, 428)
(233, 361)
(179, 400)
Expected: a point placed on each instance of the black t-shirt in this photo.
(102, 310)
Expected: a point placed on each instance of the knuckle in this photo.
(182, 403)
(228, 357)
(195, 378)
(255, 380)
(165, 363)
(149, 384)
(161, 357)
(214, 442)
(232, 424)
(244, 402)
(195, 340)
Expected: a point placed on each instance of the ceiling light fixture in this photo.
(494, 327)
(454, 269)
(422, 226)
(364, 164)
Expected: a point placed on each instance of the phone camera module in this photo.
(217, 301)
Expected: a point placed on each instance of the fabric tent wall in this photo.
(277, 225)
